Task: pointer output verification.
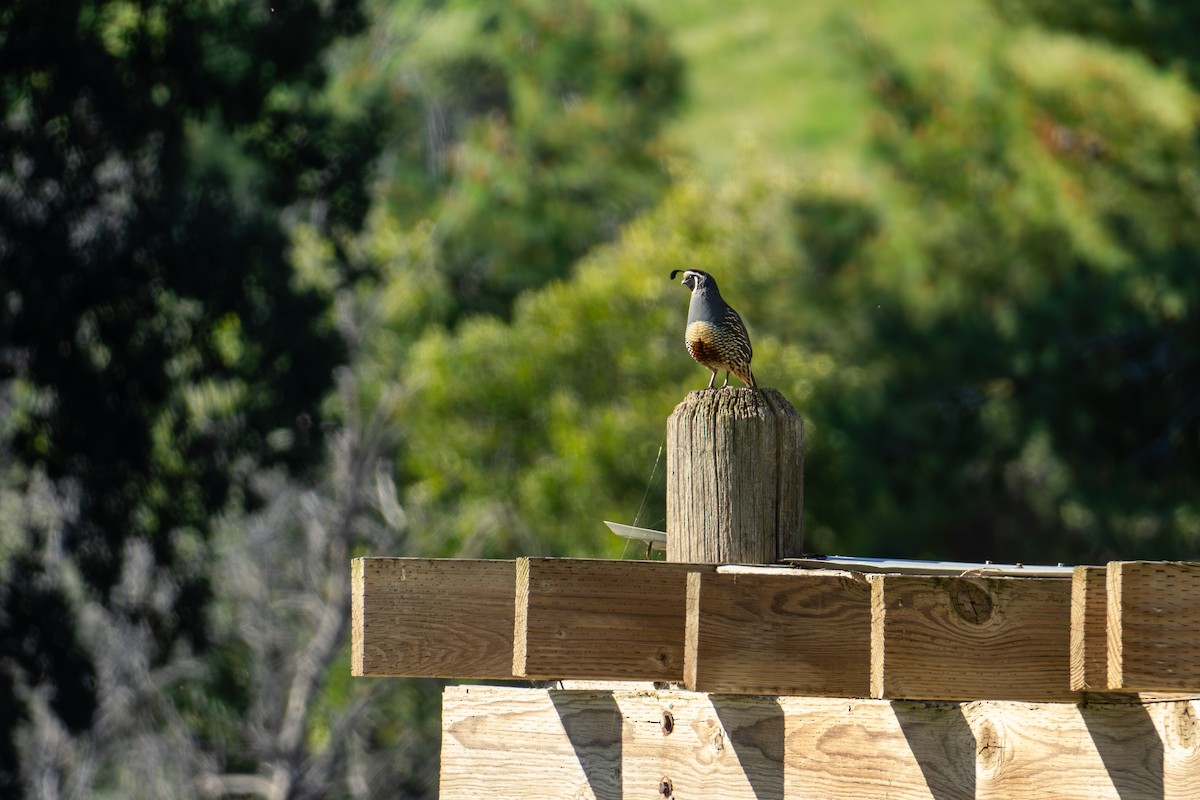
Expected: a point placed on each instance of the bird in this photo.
(716, 337)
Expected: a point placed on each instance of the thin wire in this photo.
(650, 482)
(646, 494)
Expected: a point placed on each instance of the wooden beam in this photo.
(431, 618)
(970, 638)
(1089, 630)
(789, 631)
(600, 620)
(500, 742)
(1153, 626)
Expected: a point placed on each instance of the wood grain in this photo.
(970, 638)
(735, 478)
(789, 632)
(1153, 626)
(597, 619)
(431, 618)
(503, 742)
(1089, 630)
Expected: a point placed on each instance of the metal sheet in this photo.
(658, 541)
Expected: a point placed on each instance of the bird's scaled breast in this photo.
(703, 343)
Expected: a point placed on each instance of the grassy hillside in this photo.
(775, 74)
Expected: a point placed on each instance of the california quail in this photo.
(715, 337)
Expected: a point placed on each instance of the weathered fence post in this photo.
(735, 477)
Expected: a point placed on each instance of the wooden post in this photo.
(735, 478)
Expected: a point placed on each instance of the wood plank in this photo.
(600, 620)
(1153, 626)
(431, 617)
(785, 632)
(970, 638)
(501, 742)
(1089, 630)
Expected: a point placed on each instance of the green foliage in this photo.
(153, 338)
(215, 703)
(541, 139)
(524, 436)
(774, 74)
(1039, 342)
(146, 295)
(570, 158)
(988, 316)
(993, 347)
(547, 117)
(1162, 30)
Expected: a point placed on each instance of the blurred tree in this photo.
(525, 435)
(1163, 30)
(170, 165)
(152, 339)
(269, 710)
(995, 346)
(565, 153)
(1036, 337)
(995, 350)
(538, 138)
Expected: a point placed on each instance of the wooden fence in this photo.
(792, 682)
(703, 680)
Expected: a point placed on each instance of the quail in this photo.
(715, 337)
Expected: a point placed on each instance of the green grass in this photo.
(774, 75)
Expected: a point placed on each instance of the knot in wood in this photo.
(971, 602)
(989, 749)
(1183, 731)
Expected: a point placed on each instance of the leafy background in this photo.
(282, 285)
